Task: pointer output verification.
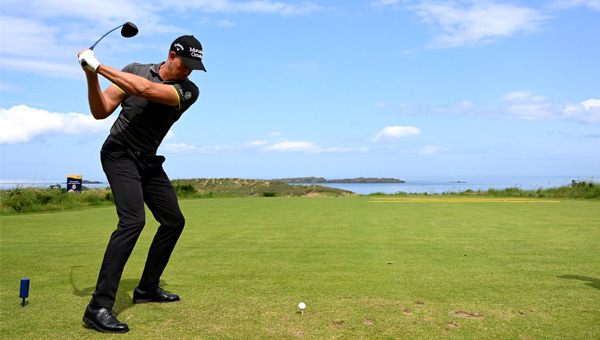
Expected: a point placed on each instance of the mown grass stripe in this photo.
(458, 200)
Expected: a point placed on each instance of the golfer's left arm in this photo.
(135, 85)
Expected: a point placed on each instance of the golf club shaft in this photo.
(107, 33)
(128, 30)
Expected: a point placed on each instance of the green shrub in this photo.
(185, 190)
(22, 200)
(109, 196)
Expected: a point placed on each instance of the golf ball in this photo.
(302, 305)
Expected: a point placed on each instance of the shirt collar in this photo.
(154, 69)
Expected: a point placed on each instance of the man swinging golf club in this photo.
(152, 98)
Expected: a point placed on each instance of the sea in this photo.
(8, 184)
(449, 185)
(412, 185)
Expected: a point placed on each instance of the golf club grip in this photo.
(83, 62)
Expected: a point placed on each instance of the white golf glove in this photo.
(88, 60)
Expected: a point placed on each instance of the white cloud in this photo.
(107, 10)
(514, 105)
(261, 146)
(429, 150)
(525, 105)
(293, 146)
(257, 6)
(170, 135)
(393, 132)
(212, 149)
(309, 147)
(474, 23)
(46, 68)
(62, 28)
(345, 149)
(21, 124)
(591, 104)
(22, 33)
(517, 95)
(381, 3)
(587, 111)
(256, 143)
(277, 7)
(59, 42)
(178, 148)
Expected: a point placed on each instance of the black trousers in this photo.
(134, 180)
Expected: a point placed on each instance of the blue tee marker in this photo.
(24, 290)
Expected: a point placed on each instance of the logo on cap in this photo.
(178, 47)
(196, 53)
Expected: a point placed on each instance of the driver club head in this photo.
(129, 30)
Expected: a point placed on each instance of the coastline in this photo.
(435, 185)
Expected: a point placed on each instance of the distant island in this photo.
(85, 181)
(348, 180)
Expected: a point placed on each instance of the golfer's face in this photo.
(180, 71)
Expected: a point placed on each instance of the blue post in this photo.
(24, 290)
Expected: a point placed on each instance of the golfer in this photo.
(152, 98)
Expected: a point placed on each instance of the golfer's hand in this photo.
(88, 59)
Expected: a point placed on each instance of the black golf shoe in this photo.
(103, 320)
(153, 295)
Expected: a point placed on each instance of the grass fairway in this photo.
(366, 270)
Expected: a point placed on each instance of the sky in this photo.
(335, 89)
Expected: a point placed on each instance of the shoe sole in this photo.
(138, 301)
(92, 324)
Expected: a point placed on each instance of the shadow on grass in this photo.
(124, 294)
(592, 282)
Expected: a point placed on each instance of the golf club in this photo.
(128, 30)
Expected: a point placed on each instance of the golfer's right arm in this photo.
(102, 104)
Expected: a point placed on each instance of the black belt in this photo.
(137, 154)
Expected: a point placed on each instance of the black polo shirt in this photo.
(142, 124)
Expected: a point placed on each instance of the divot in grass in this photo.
(462, 314)
(338, 324)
